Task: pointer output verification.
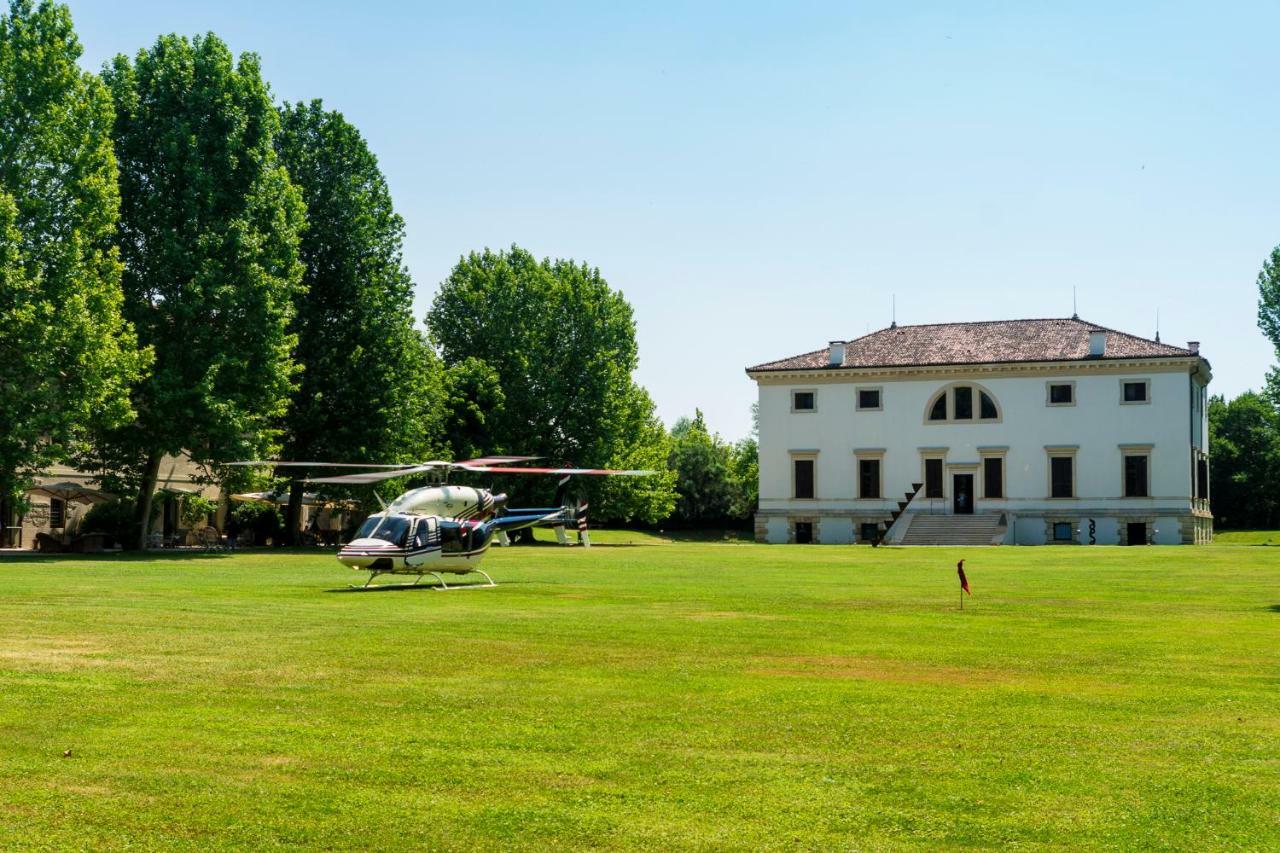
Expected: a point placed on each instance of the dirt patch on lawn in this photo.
(47, 655)
(735, 614)
(880, 669)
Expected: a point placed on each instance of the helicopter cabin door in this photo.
(426, 535)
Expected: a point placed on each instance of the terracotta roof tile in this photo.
(990, 342)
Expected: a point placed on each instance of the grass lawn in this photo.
(649, 694)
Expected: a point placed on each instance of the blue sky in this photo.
(761, 178)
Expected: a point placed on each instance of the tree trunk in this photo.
(142, 508)
(293, 517)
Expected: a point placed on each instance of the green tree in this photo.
(209, 237)
(371, 388)
(473, 407)
(702, 463)
(1244, 449)
(744, 474)
(67, 356)
(1269, 315)
(562, 346)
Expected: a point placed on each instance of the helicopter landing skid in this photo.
(443, 587)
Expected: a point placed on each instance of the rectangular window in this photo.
(868, 399)
(993, 477)
(964, 403)
(1135, 476)
(1202, 479)
(57, 513)
(868, 532)
(1063, 532)
(1062, 476)
(804, 478)
(868, 478)
(933, 478)
(803, 401)
(1135, 392)
(1061, 394)
(804, 532)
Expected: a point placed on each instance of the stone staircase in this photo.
(985, 528)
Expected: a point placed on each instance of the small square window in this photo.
(803, 401)
(868, 398)
(1063, 531)
(1061, 394)
(804, 532)
(868, 532)
(1135, 392)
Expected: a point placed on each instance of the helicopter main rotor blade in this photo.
(278, 464)
(497, 460)
(378, 476)
(494, 469)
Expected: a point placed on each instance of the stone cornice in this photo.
(952, 372)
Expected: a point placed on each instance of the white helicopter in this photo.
(445, 528)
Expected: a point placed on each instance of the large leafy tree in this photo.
(209, 237)
(66, 355)
(1269, 315)
(561, 344)
(703, 466)
(1244, 446)
(370, 389)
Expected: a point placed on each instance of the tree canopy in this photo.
(1269, 315)
(66, 355)
(562, 346)
(1244, 448)
(208, 234)
(370, 388)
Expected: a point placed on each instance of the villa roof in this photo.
(988, 342)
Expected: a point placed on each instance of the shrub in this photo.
(114, 519)
(265, 521)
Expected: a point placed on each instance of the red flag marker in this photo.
(964, 583)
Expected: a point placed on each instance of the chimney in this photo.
(835, 356)
(1194, 346)
(1098, 343)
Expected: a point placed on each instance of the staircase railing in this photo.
(896, 514)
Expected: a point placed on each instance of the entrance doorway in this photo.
(1137, 533)
(962, 494)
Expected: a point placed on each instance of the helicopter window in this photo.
(455, 537)
(424, 534)
(391, 529)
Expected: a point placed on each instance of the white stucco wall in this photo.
(1097, 425)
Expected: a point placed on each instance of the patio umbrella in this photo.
(69, 492)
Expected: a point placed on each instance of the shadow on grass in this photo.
(1275, 608)
(115, 557)
(406, 587)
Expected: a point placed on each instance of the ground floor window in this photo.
(1135, 475)
(993, 477)
(803, 480)
(804, 532)
(1063, 531)
(1062, 476)
(933, 478)
(57, 513)
(869, 532)
(868, 478)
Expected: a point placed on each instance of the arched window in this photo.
(962, 402)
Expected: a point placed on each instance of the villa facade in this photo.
(1016, 432)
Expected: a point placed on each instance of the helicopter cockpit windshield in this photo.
(388, 528)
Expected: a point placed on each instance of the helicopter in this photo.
(443, 528)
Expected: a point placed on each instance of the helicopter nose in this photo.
(361, 553)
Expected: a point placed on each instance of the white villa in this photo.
(1018, 432)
